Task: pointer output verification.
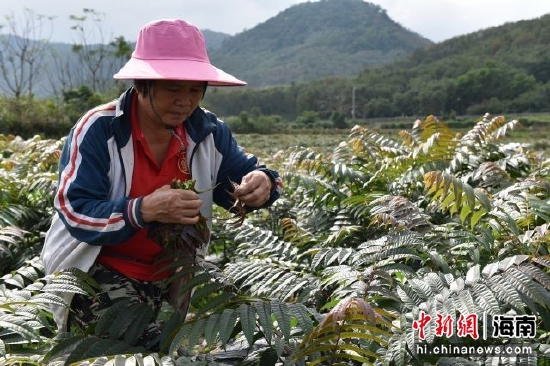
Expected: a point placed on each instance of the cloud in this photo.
(443, 19)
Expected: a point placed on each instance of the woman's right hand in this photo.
(171, 206)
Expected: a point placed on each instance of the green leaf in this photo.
(269, 357)
(45, 299)
(204, 291)
(20, 327)
(475, 218)
(302, 316)
(263, 309)
(195, 333)
(473, 275)
(449, 199)
(199, 279)
(179, 339)
(485, 298)
(170, 329)
(63, 345)
(227, 323)
(102, 347)
(211, 328)
(212, 304)
(78, 353)
(464, 212)
(141, 320)
(106, 320)
(280, 309)
(124, 318)
(470, 195)
(457, 189)
(248, 322)
(483, 199)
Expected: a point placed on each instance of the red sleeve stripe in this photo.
(131, 213)
(280, 186)
(116, 220)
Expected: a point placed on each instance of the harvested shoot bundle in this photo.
(238, 208)
(181, 241)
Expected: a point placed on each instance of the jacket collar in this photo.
(199, 125)
(122, 126)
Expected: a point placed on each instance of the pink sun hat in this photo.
(172, 49)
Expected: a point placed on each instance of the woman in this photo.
(117, 166)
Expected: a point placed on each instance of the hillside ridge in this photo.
(312, 40)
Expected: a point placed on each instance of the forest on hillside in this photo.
(499, 70)
(313, 40)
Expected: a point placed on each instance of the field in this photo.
(266, 146)
(348, 267)
(533, 130)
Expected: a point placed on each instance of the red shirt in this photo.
(135, 258)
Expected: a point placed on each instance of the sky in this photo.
(436, 20)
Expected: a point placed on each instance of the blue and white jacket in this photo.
(96, 174)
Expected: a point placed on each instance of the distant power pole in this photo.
(353, 103)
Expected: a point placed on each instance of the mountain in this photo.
(305, 42)
(498, 69)
(316, 39)
(504, 69)
(214, 39)
(522, 44)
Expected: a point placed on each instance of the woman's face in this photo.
(173, 101)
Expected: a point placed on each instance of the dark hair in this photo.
(143, 86)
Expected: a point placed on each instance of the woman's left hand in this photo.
(255, 189)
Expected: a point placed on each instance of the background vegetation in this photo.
(384, 214)
(309, 41)
(502, 70)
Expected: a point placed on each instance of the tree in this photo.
(65, 74)
(92, 49)
(23, 51)
(121, 51)
(338, 120)
(99, 60)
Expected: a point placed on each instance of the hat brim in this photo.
(191, 70)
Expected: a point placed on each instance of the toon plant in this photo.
(367, 237)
